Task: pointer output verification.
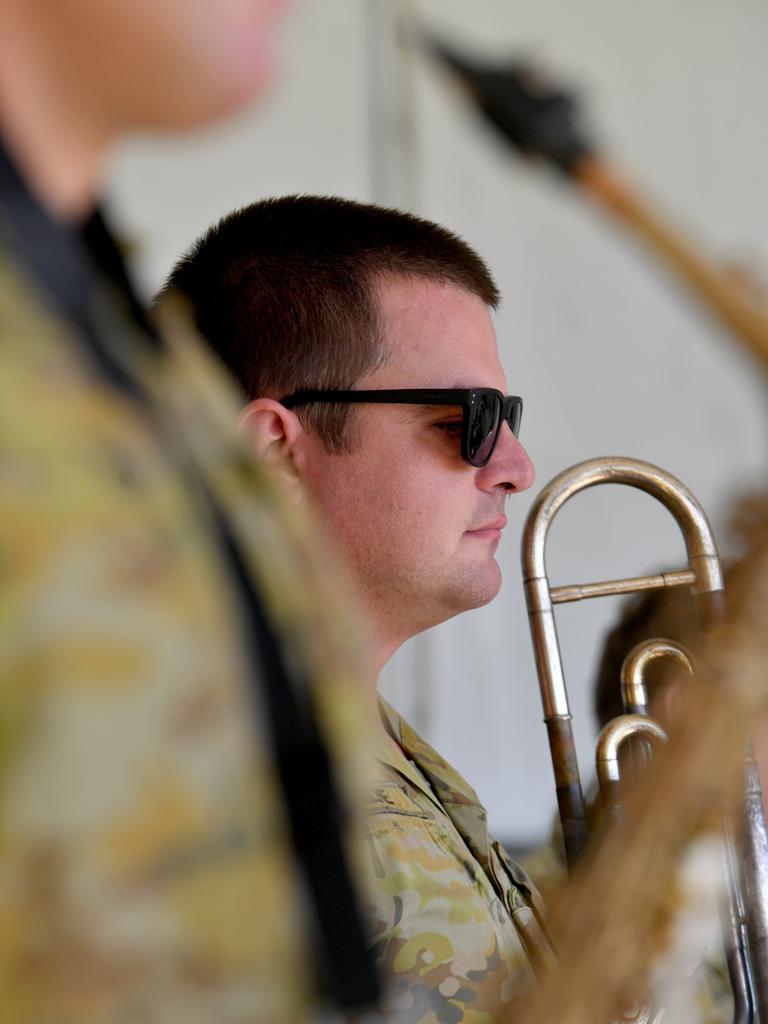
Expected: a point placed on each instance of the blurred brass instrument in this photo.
(746, 925)
(542, 120)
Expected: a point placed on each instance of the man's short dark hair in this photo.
(283, 291)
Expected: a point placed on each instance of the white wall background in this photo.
(609, 356)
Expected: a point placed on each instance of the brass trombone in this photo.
(613, 736)
(734, 925)
(747, 934)
(634, 693)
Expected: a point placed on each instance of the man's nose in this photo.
(509, 466)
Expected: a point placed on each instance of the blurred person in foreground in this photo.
(325, 310)
(175, 699)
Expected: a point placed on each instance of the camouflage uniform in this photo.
(457, 925)
(146, 867)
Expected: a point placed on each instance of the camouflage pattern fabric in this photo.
(145, 869)
(457, 925)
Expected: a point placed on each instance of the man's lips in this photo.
(489, 531)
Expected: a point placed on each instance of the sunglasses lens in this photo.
(483, 428)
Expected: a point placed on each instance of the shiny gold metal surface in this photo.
(614, 588)
(634, 693)
(614, 734)
(746, 929)
(702, 573)
(607, 766)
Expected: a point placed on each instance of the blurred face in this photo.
(160, 63)
(420, 527)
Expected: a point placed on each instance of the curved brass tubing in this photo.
(634, 692)
(612, 737)
(702, 573)
(747, 926)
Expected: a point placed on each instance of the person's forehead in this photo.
(436, 334)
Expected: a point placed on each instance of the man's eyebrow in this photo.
(428, 409)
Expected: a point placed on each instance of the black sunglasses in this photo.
(483, 411)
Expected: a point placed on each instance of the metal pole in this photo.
(392, 135)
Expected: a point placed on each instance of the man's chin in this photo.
(480, 587)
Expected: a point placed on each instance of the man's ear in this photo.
(275, 435)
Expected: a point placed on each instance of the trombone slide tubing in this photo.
(706, 579)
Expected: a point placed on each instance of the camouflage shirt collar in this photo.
(446, 787)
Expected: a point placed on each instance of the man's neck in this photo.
(385, 639)
(57, 144)
(376, 652)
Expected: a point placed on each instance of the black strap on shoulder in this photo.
(65, 262)
(313, 809)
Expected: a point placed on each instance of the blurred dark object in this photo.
(535, 115)
(542, 119)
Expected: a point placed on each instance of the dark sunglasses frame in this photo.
(470, 400)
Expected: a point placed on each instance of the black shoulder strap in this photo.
(313, 808)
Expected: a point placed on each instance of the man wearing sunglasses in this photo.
(364, 342)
